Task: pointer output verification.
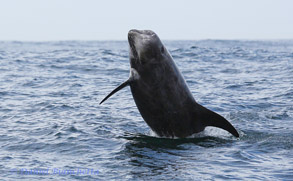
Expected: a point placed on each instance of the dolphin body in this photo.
(161, 93)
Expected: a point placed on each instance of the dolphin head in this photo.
(145, 47)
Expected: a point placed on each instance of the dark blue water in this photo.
(52, 127)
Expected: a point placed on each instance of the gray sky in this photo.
(38, 20)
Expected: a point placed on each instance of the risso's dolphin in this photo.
(161, 93)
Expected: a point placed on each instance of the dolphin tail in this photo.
(124, 84)
(213, 119)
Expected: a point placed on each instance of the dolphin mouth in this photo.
(131, 41)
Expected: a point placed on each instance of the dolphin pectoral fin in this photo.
(216, 120)
(124, 84)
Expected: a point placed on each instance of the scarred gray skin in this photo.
(161, 93)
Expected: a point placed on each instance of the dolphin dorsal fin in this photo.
(124, 84)
(213, 119)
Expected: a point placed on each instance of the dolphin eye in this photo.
(162, 50)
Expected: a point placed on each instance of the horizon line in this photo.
(203, 39)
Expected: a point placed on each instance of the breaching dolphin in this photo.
(161, 93)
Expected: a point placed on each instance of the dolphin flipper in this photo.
(124, 84)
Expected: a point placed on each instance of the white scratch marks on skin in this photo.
(133, 75)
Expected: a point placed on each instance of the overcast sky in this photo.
(40, 20)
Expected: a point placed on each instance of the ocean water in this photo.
(53, 128)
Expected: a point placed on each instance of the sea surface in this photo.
(53, 128)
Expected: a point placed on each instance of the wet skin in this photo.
(161, 93)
